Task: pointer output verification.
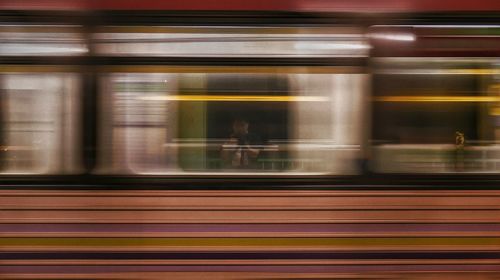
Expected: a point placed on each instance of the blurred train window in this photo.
(216, 41)
(40, 40)
(434, 115)
(208, 120)
(217, 119)
(39, 128)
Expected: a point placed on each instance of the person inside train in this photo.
(242, 148)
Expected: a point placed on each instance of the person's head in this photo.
(240, 127)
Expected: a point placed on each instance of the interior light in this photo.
(407, 37)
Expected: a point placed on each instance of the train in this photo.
(287, 139)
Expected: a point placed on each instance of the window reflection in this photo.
(437, 120)
(39, 115)
(215, 122)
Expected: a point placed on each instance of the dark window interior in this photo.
(426, 122)
(268, 121)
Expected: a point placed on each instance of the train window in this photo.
(436, 115)
(39, 123)
(217, 41)
(38, 40)
(209, 120)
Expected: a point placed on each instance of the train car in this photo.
(285, 139)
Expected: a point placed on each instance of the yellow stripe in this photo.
(435, 71)
(38, 68)
(487, 71)
(256, 98)
(437, 99)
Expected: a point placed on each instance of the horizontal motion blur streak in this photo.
(261, 98)
(437, 99)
